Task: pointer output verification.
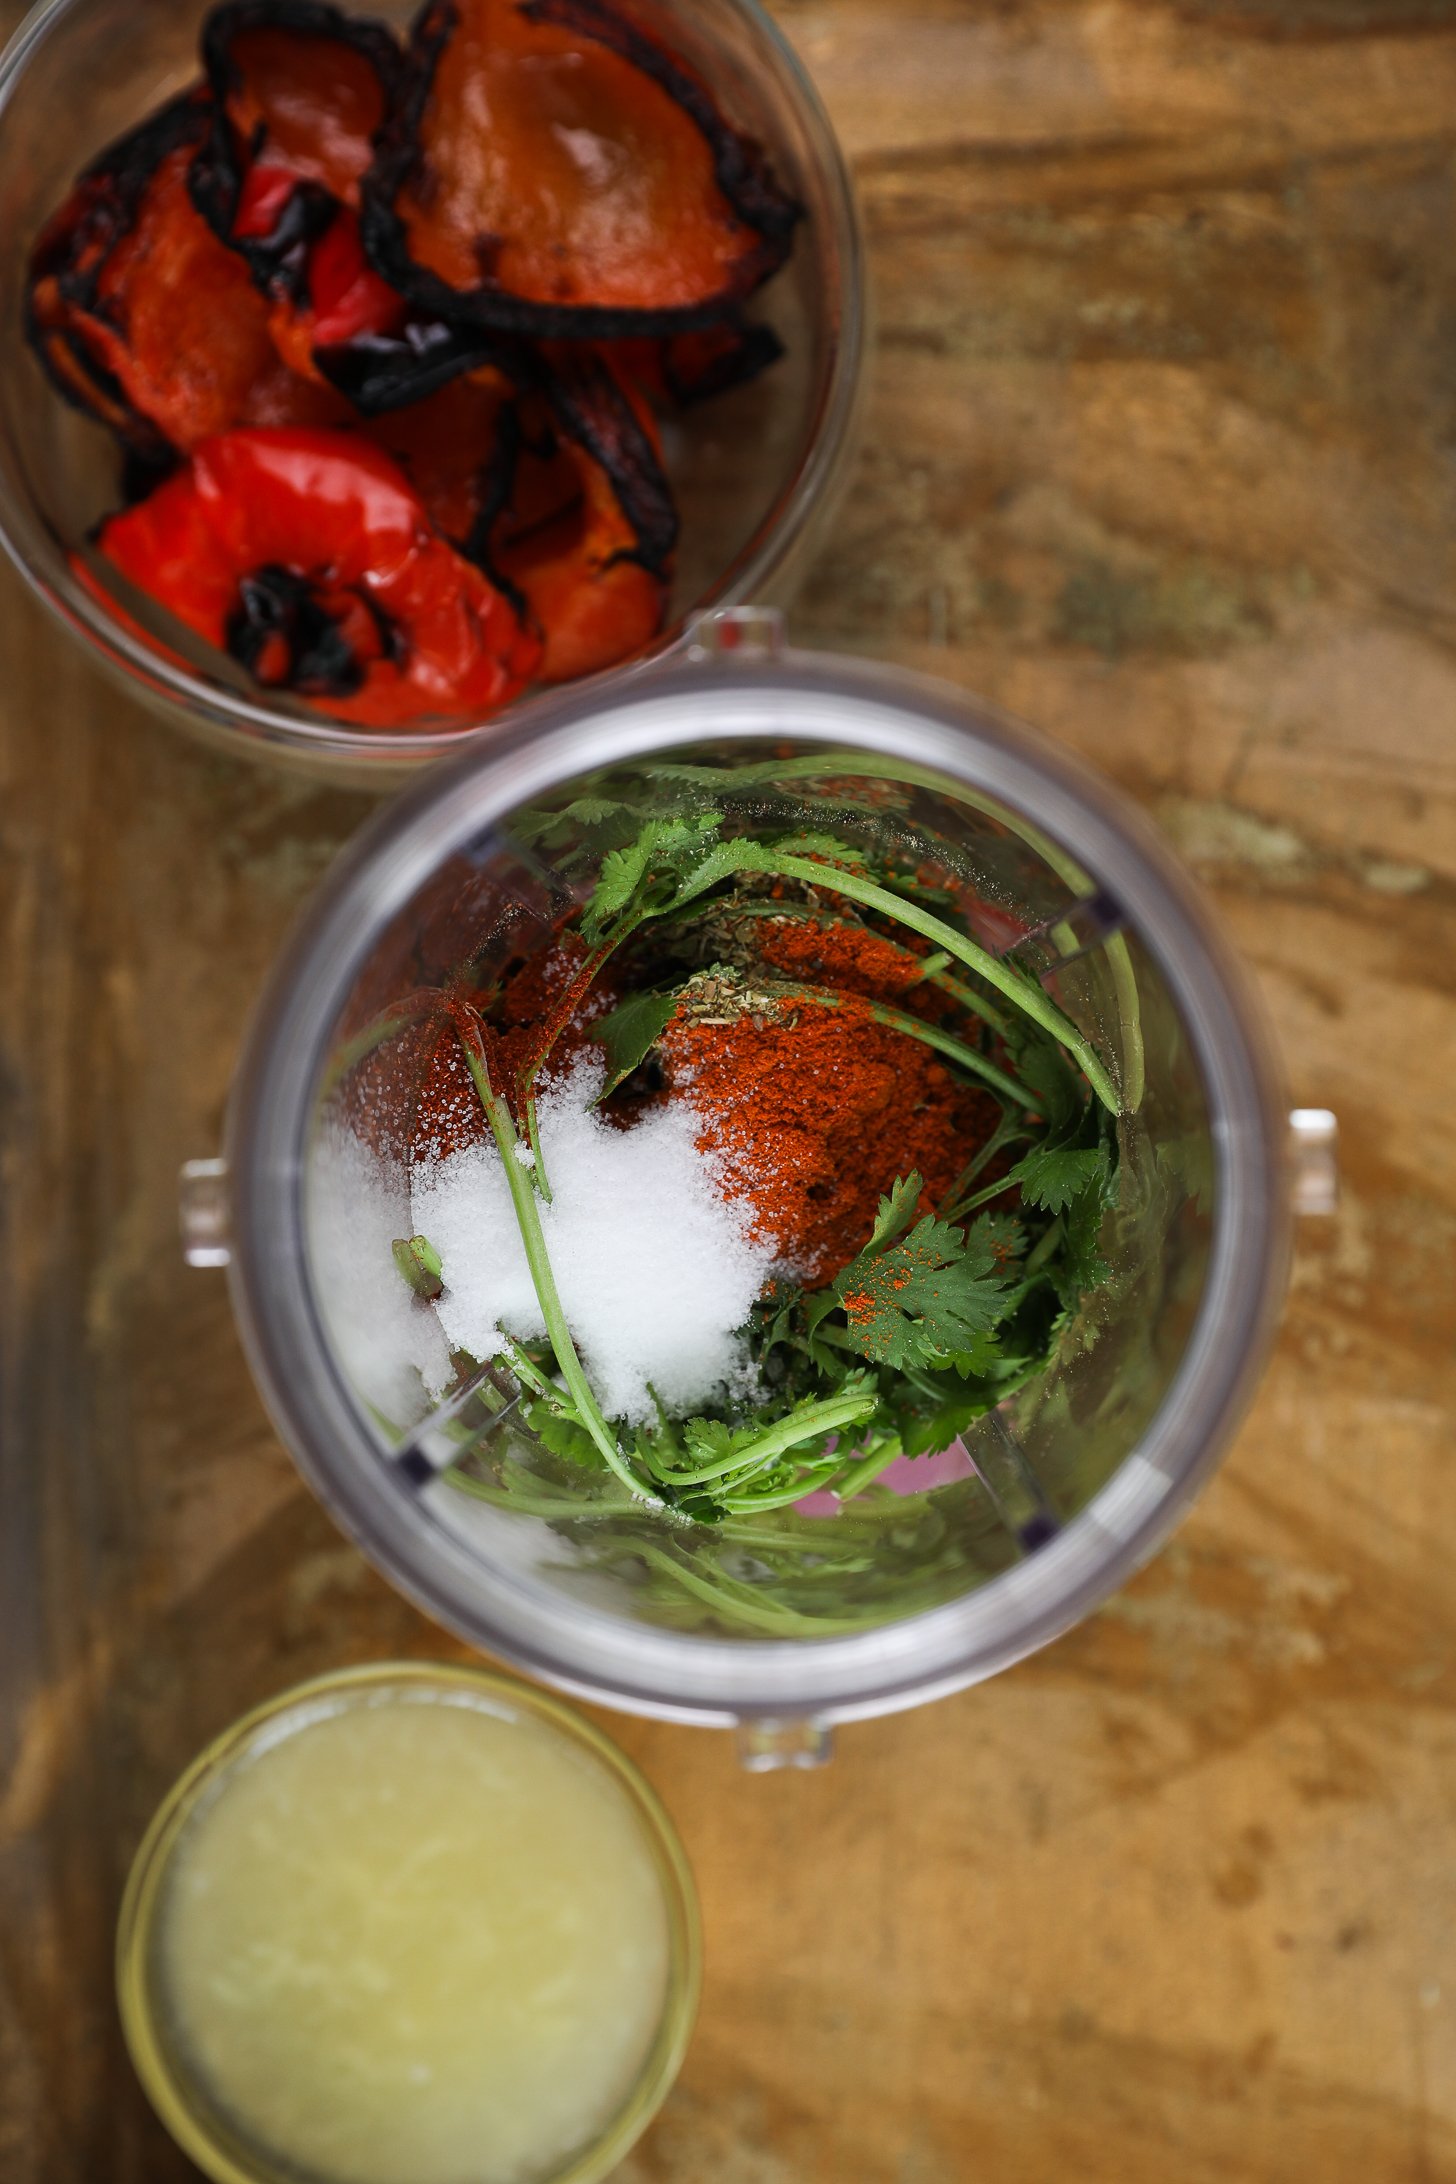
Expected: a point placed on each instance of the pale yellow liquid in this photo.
(416, 1943)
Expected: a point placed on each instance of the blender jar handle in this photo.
(741, 633)
(204, 1211)
(1314, 1160)
(769, 1743)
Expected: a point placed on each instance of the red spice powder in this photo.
(447, 1114)
(815, 1112)
(445, 1106)
(848, 957)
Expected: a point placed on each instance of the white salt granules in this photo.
(389, 1341)
(654, 1267)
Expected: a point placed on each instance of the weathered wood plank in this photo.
(1159, 454)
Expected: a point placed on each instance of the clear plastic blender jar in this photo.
(800, 1619)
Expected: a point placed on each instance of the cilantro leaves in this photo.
(631, 1031)
(923, 1300)
(1052, 1176)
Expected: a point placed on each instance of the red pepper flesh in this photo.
(142, 317)
(555, 488)
(300, 90)
(310, 557)
(552, 170)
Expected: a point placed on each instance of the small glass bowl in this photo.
(756, 471)
(173, 2090)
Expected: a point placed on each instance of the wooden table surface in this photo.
(1162, 454)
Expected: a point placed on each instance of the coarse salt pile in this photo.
(655, 1268)
(389, 1341)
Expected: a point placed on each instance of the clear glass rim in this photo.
(168, 2090)
(40, 558)
(847, 706)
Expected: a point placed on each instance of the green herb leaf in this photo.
(630, 1033)
(926, 1298)
(1051, 1176)
(1080, 1265)
(714, 1449)
(1043, 1069)
(622, 874)
(563, 1436)
(896, 1212)
(594, 816)
(1004, 1233)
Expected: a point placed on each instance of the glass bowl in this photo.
(755, 471)
(214, 2141)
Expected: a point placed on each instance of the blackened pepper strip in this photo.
(299, 90)
(694, 367)
(552, 482)
(310, 558)
(550, 170)
(139, 314)
(595, 574)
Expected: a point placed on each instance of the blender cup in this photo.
(794, 1620)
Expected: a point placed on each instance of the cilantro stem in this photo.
(865, 1472)
(538, 1260)
(957, 1213)
(529, 1505)
(790, 1432)
(1026, 996)
(783, 1498)
(538, 1158)
(1125, 986)
(1037, 1257)
(526, 1370)
(747, 1606)
(956, 1207)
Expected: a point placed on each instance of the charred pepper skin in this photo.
(311, 558)
(141, 318)
(755, 214)
(551, 481)
(69, 260)
(277, 173)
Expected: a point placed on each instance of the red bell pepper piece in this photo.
(595, 570)
(556, 489)
(550, 169)
(692, 367)
(310, 558)
(299, 90)
(142, 317)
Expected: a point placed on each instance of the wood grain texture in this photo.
(1162, 454)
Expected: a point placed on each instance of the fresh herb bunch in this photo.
(941, 1315)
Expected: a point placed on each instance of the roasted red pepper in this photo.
(449, 446)
(299, 91)
(142, 317)
(310, 558)
(493, 250)
(551, 170)
(594, 572)
(552, 482)
(692, 367)
(593, 600)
